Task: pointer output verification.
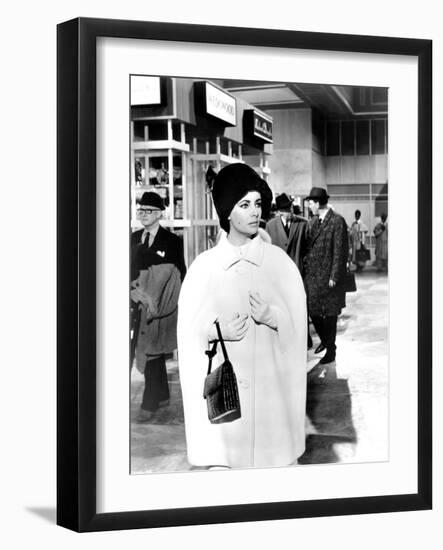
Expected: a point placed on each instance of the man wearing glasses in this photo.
(163, 245)
(157, 269)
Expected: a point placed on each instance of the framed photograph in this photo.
(257, 202)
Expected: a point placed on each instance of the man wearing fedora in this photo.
(288, 231)
(157, 241)
(157, 267)
(325, 269)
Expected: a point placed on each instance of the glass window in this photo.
(378, 137)
(333, 138)
(362, 130)
(347, 137)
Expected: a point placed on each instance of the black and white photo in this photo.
(263, 206)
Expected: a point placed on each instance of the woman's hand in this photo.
(232, 330)
(260, 311)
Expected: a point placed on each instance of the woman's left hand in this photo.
(260, 311)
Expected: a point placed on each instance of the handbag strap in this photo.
(211, 352)
(222, 343)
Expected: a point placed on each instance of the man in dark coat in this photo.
(152, 246)
(163, 246)
(325, 268)
(288, 231)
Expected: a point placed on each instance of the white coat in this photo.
(270, 364)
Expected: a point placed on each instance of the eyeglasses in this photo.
(147, 210)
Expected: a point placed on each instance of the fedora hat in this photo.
(149, 198)
(318, 194)
(283, 202)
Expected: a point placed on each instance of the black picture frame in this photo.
(76, 264)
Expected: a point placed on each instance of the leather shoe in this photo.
(144, 416)
(320, 348)
(329, 357)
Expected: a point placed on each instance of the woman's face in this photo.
(246, 214)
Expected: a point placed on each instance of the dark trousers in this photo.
(156, 384)
(326, 328)
(309, 337)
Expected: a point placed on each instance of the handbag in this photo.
(349, 282)
(220, 388)
(363, 255)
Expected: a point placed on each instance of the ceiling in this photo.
(333, 101)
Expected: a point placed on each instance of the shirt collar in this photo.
(252, 252)
(323, 213)
(152, 232)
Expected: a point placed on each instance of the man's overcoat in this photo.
(157, 334)
(293, 244)
(167, 248)
(326, 260)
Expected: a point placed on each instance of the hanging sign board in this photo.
(147, 90)
(215, 102)
(257, 125)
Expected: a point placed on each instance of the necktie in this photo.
(286, 226)
(146, 242)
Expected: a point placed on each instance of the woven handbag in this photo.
(220, 389)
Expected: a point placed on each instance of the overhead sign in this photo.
(257, 128)
(212, 100)
(262, 127)
(220, 104)
(146, 90)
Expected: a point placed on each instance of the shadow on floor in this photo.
(48, 514)
(329, 409)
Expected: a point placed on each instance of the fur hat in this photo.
(231, 184)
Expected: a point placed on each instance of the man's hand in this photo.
(138, 295)
(332, 283)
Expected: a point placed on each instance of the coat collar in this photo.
(252, 252)
(319, 227)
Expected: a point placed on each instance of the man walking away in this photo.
(325, 268)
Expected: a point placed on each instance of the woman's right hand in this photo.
(232, 330)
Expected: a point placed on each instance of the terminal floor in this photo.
(347, 401)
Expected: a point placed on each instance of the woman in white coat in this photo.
(255, 291)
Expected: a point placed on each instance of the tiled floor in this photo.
(347, 402)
